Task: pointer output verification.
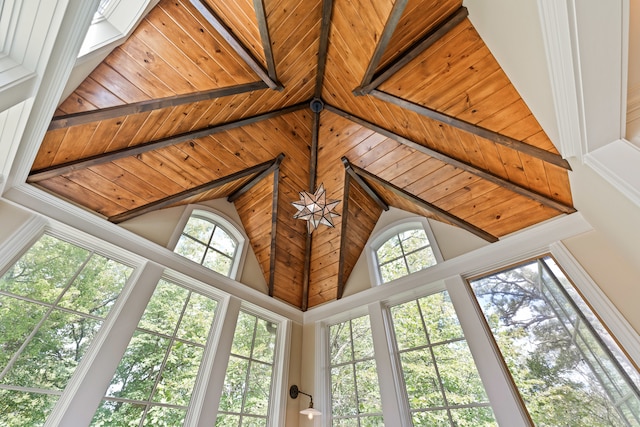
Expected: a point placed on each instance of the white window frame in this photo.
(396, 227)
(227, 224)
(451, 275)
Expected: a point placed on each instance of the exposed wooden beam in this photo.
(261, 15)
(343, 232)
(385, 38)
(235, 43)
(150, 105)
(366, 187)
(274, 231)
(170, 200)
(50, 172)
(428, 206)
(545, 200)
(239, 192)
(507, 141)
(433, 36)
(306, 272)
(327, 10)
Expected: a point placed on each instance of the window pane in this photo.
(421, 259)
(564, 368)
(139, 367)
(247, 385)
(200, 229)
(355, 391)
(43, 339)
(17, 320)
(117, 414)
(97, 287)
(393, 270)
(25, 409)
(190, 249)
(161, 363)
(179, 374)
(164, 309)
(439, 372)
(389, 250)
(343, 391)
(413, 240)
(44, 270)
(217, 262)
(223, 242)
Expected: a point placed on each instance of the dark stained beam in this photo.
(306, 272)
(327, 10)
(239, 192)
(343, 232)
(170, 200)
(512, 143)
(545, 200)
(423, 44)
(385, 38)
(261, 15)
(274, 231)
(428, 206)
(366, 187)
(235, 43)
(150, 105)
(53, 171)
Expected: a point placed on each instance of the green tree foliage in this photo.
(565, 373)
(355, 391)
(440, 376)
(205, 242)
(156, 375)
(247, 386)
(52, 303)
(404, 253)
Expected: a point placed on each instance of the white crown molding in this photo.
(617, 163)
(565, 77)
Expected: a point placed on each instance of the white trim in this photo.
(502, 393)
(383, 235)
(565, 79)
(617, 162)
(227, 224)
(513, 248)
(604, 308)
(84, 392)
(20, 240)
(76, 218)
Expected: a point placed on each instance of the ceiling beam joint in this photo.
(226, 33)
(366, 187)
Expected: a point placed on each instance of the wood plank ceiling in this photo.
(387, 103)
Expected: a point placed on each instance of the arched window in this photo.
(402, 248)
(211, 240)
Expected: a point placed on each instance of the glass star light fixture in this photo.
(315, 208)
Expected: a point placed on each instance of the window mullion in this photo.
(394, 407)
(502, 392)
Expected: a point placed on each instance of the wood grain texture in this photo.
(154, 99)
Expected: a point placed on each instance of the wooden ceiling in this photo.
(387, 103)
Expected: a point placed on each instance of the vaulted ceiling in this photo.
(387, 103)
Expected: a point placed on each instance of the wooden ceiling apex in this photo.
(254, 101)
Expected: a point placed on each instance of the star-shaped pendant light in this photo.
(315, 208)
